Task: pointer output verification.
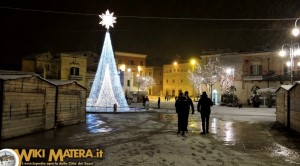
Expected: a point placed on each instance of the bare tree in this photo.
(145, 82)
(209, 74)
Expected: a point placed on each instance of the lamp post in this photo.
(296, 31)
(193, 62)
(212, 82)
(293, 52)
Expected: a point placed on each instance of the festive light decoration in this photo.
(106, 90)
(210, 74)
(145, 82)
(107, 19)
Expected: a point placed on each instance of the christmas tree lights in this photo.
(106, 90)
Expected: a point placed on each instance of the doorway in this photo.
(215, 98)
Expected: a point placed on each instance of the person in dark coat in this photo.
(203, 107)
(158, 103)
(182, 107)
(144, 100)
(191, 104)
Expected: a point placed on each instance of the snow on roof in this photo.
(265, 90)
(13, 77)
(64, 82)
(61, 82)
(286, 87)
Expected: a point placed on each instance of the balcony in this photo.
(252, 78)
(75, 77)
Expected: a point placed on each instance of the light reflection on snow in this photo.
(280, 150)
(228, 132)
(225, 130)
(95, 125)
(214, 125)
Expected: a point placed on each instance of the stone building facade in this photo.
(63, 66)
(175, 78)
(254, 69)
(157, 74)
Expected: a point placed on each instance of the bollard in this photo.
(115, 107)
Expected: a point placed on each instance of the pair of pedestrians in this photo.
(183, 104)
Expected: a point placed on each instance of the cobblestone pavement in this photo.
(244, 136)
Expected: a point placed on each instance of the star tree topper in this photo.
(107, 19)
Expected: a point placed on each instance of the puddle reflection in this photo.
(240, 135)
(168, 117)
(95, 125)
(225, 130)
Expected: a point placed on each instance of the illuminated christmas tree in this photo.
(106, 89)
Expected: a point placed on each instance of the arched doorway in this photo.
(215, 97)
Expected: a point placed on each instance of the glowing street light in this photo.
(296, 31)
(193, 62)
(294, 51)
(123, 67)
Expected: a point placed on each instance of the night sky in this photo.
(158, 28)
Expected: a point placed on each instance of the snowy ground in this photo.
(238, 137)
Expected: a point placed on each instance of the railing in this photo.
(252, 78)
(95, 109)
(75, 77)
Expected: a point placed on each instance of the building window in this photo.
(181, 80)
(173, 81)
(167, 81)
(131, 62)
(150, 73)
(256, 70)
(141, 63)
(160, 82)
(74, 71)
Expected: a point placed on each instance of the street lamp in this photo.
(193, 62)
(211, 82)
(293, 52)
(296, 31)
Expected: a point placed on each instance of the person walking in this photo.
(190, 104)
(158, 103)
(182, 108)
(203, 107)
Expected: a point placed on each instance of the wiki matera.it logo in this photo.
(8, 157)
